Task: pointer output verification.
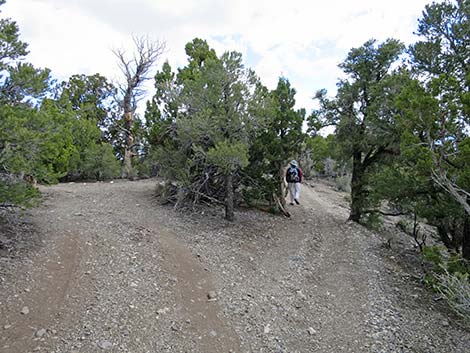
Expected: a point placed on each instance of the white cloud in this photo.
(303, 40)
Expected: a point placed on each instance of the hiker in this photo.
(294, 178)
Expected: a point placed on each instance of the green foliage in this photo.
(279, 139)
(30, 141)
(343, 183)
(201, 120)
(324, 154)
(318, 146)
(88, 103)
(24, 82)
(431, 177)
(432, 254)
(373, 221)
(455, 264)
(36, 142)
(228, 157)
(441, 118)
(11, 48)
(455, 288)
(90, 97)
(99, 163)
(17, 193)
(364, 112)
(43, 138)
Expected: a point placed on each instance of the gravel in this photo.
(109, 269)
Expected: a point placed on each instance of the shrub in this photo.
(456, 264)
(433, 255)
(455, 288)
(100, 163)
(17, 193)
(343, 183)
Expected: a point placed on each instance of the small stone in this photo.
(37, 349)
(212, 295)
(40, 333)
(311, 331)
(445, 323)
(162, 311)
(25, 310)
(27, 290)
(6, 327)
(267, 329)
(105, 345)
(213, 333)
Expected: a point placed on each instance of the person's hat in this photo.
(294, 163)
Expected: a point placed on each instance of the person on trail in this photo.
(294, 178)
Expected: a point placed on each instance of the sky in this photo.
(302, 40)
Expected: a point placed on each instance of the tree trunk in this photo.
(444, 237)
(281, 191)
(128, 170)
(357, 189)
(229, 213)
(466, 239)
(136, 71)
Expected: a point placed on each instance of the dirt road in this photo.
(115, 271)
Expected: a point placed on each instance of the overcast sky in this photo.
(303, 40)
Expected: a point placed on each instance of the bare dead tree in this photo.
(136, 70)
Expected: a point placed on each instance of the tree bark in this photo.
(357, 189)
(128, 170)
(229, 213)
(136, 71)
(444, 237)
(281, 193)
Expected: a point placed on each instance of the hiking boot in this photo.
(297, 202)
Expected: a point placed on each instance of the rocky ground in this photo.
(104, 267)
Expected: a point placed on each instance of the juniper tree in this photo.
(207, 108)
(363, 112)
(437, 103)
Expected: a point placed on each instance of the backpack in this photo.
(292, 175)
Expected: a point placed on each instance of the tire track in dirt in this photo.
(44, 298)
(193, 302)
(78, 280)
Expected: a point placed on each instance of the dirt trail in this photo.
(117, 272)
(75, 274)
(343, 277)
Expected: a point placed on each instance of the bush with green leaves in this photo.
(100, 163)
(18, 193)
(455, 288)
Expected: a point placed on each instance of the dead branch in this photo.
(279, 205)
(383, 213)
